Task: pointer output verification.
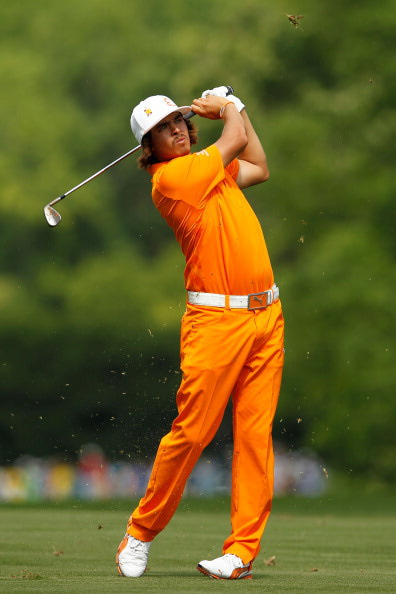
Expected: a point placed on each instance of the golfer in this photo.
(232, 329)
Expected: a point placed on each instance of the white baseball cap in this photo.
(152, 110)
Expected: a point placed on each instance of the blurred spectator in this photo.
(93, 477)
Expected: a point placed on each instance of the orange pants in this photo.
(224, 352)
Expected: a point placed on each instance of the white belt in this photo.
(251, 301)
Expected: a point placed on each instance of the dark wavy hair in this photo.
(147, 158)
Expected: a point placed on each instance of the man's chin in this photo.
(178, 150)
(181, 151)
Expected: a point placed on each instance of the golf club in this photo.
(54, 218)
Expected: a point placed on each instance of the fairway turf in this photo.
(320, 545)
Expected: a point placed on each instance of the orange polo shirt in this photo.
(219, 234)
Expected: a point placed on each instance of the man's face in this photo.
(170, 138)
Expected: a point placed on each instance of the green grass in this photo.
(329, 544)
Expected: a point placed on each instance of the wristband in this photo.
(222, 108)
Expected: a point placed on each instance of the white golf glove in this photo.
(222, 92)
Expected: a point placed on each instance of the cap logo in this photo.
(148, 111)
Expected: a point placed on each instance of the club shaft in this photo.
(93, 176)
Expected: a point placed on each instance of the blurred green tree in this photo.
(90, 311)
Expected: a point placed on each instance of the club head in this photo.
(53, 217)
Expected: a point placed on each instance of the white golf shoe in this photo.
(227, 567)
(132, 556)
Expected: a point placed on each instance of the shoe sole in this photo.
(237, 574)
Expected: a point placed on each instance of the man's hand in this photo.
(209, 106)
(222, 92)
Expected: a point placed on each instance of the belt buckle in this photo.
(264, 299)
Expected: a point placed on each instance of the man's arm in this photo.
(252, 159)
(234, 137)
(253, 167)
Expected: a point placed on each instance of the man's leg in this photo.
(255, 400)
(214, 346)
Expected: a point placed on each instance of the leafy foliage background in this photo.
(90, 311)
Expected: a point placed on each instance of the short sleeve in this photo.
(190, 178)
